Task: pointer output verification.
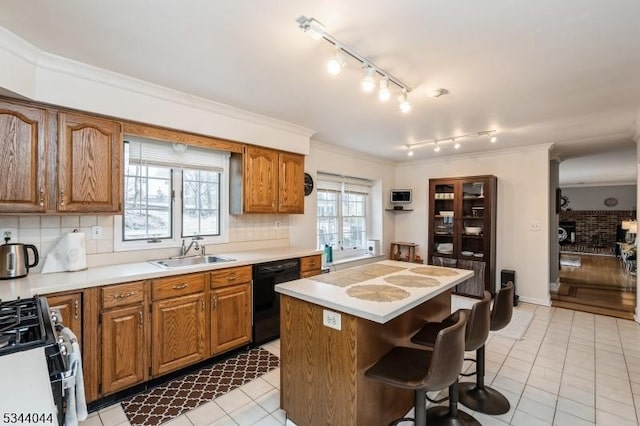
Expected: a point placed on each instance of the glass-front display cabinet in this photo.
(462, 219)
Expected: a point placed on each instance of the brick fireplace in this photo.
(595, 229)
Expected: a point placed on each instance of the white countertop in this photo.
(113, 274)
(336, 298)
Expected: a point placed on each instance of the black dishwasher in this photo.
(266, 302)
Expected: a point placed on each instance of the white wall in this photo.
(592, 197)
(329, 158)
(523, 188)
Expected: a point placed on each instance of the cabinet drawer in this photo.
(229, 276)
(122, 294)
(310, 263)
(164, 288)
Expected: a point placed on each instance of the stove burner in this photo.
(21, 324)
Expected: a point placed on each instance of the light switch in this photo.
(331, 319)
(534, 226)
(96, 232)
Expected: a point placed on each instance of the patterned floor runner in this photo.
(174, 398)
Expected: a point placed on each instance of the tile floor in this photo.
(570, 368)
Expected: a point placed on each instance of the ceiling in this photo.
(539, 72)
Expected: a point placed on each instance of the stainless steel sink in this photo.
(177, 262)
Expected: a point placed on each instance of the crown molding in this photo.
(59, 64)
(324, 146)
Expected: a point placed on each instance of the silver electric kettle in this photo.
(14, 259)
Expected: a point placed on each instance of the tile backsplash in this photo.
(45, 231)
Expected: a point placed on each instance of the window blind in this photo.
(147, 152)
(332, 182)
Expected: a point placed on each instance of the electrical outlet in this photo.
(331, 319)
(96, 232)
(277, 224)
(534, 226)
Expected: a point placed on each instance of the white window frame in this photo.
(344, 254)
(119, 244)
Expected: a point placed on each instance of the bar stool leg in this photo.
(450, 416)
(479, 397)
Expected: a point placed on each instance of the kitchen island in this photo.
(334, 326)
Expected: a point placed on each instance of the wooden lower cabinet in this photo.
(310, 266)
(230, 317)
(179, 333)
(124, 354)
(70, 307)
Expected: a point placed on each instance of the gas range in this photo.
(29, 349)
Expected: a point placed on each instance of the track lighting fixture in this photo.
(403, 102)
(454, 139)
(335, 64)
(384, 93)
(316, 30)
(436, 93)
(368, 82)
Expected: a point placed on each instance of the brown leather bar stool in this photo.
(476, 333)
(424, 371)
(477, 396)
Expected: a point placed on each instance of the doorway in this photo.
(595, 255)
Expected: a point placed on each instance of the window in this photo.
(171, 192)
(343, 222)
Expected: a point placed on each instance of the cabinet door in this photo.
(230, 317)
(261, 182)
(22, 158)
(124, 357)
(70, 307)
(89, 164)
(178, 333)
(291, 188)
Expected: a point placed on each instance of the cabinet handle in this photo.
(180, 286)
(312, 264)
(62, 197)
(76, 309)
(41, 197)
(232, 278)
(140, 318)
(124, 296)
(214, 305)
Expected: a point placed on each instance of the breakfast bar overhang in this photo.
(334, 326)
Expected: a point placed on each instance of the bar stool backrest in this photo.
(502, 308)
(448, 354)
(478, 323)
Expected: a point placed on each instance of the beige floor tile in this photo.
(113, 415)
(233, 400)
(578, 371)
(268, 421)
(273, 377)
(256, 387)
(270, 401)
(578, 382)
(280, 415)
(605, 418)
(514, 374)
(616, 407)
(179, 421)
(507, 384)
(248, 414)
(487, 420)
(536, 409)
(206, 413)
(565, 419)
(518, 364)
(520, 418)
(92, 420)
(578, 395)
(225, 421)
(540, 396)
(513, 399)
(577, 409)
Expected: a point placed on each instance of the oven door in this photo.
(27, 398)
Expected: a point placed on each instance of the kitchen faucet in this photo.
(194, 242)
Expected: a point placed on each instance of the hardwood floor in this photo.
(598, 285)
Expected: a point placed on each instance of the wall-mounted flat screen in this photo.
(400, 196)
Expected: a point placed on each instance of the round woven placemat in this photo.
(412, 281)
(434, 271)
(378, 292)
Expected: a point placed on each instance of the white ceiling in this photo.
(564, 72)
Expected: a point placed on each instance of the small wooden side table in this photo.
(395, 252)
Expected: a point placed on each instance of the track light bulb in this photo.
(436, 148)
(384, 93)
(403, 102)
(457, 145)
(410, 153)
(335, 64)
(493, 139)
(368, 82)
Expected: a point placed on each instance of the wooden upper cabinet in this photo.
(261, 183)
(22, 158)
(89, 164)
(291, 183)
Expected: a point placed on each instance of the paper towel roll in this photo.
(70, 254)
